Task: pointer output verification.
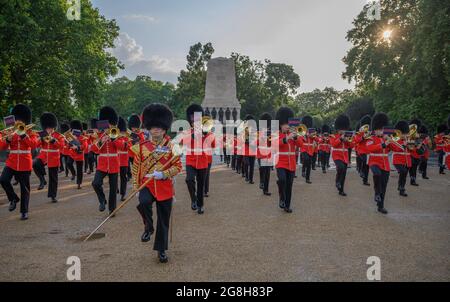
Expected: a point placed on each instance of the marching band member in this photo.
(196, 159)
(402, 158)
(123, 157)
(77, 147)
(447, 146)
(440, 144)
(285, 159)
(427, 145)
(19, 163)
(150, 157)
(360, 146)
(307, 146)
(86, 150)
(379, 147)
(137, 136)
(92, 136)
(264, 154)
(65, 151)
(108, 160)
(250, 149)
(49, 155)
(416, 153)
(340, 143)
(209, 145)
(324, 148)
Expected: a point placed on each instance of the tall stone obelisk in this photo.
(220, 93)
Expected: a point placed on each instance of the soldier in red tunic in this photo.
(136, 137)
(340, 143)
(439, 142)
(324, 148)
(285, 161)
(65, 151)
(264, 155)
(76, 155)
(19, 162)
(402, 158)
(50, 145)
(426, 145)
(308, 144)
(417, 151)
(379, 147)
(123, 157)
(107, 148)
(360, 146)
(250, 148)
(151, 157)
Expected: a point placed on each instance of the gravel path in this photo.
(243, 235)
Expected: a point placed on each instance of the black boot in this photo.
(54, 200)
(13, 205)
(101, 207)
(194, 205)
(24, 216)
(288, 210)
(201, 210)
(163, 257)
(42, 184)
(281, 204)
(146, 236)
(403, 193)
(382, 211)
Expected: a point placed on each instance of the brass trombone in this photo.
(300, 130)
(19, 128)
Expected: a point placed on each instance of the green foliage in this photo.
(407, 75)
(51, 63)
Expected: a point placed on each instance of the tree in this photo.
(52, 63)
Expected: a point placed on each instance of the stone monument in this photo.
(220, 92)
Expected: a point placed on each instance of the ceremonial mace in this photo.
(130, 197)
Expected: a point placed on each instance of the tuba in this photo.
(366, 130)
(300, 130)
(113, 132)
(207, 124)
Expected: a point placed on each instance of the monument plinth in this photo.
(220, 92)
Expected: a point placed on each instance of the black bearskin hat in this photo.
(109, 114)
(157, 115)
(442, 128)
(365, 120)
(22, 113)
(423, 130)
(266, 117)
(284, 114)
(342, 122)
(448, 122)
(134, 121)
(85, 126)
(307, 121)
(417, 122)
(122, 125)
(94, 123)
(326, 129)
(379, 121)
(64, 127)
(76, 125)
(403, 126)
(191, 110)
(48, 120)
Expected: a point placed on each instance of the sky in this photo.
(155, 35)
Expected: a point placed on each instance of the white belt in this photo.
(50, 150)
(19, 152)
(342, 150)
(264, 148)
(108, 155)
(400, 153)
(123, 152)
(286, 153)
(440, 145)
(379, 154)
(307, 144)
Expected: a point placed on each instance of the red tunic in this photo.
(19, 158)
(78, 155)
(123, 150)
(50, 152)
(401, 156)
(108, 157)
(195, 154)
(339, 150)
(285, 158)
(379, 156)
(324, 144)
(307, 144)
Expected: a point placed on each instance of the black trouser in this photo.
(233, 162)
(208, 172)
(413, 169)
(402, 175)
(307, 164)
(380, 181)
(350, 156)
(249, 167)
(359, 164)
(285, 181)
(313, 161)
(24, 180)
(123, 180)
(423, 167)
(341, 173)
(39, 169)
(91, 161)
(66, 164)
(130, 168)
(195, 180)
(239, 164)
(364, 172)
(79, 165)
(441, 155)
(264, 176)
(163, 211)
(324, 158)
(62, 162)
(70, 166)
(86, 162)
(97, 184)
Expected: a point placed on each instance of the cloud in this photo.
(131, 54)
(137, 17)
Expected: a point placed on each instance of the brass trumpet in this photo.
(366, 130)
(300, 130)
(19, 128)
(207, 124)
(113, 132)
